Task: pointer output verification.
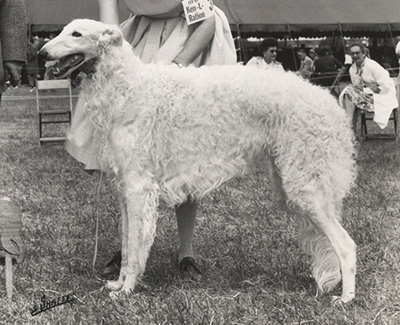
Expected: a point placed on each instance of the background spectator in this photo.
(398, 54)
(12, 41)
(372, 89)
(48, 74)
(32, 65)
(306, 64)
(326, 68)
(313, 56)
(268, 61)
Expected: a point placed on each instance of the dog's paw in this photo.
(124, 292)
(340, 301)
(114, 285)
(115, 295)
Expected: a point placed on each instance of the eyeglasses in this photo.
(273, 51)
(355, 53)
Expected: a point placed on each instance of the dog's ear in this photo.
(111, 36)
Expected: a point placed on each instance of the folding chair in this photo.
(368, 116)
(50, 113)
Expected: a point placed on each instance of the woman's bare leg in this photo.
(186, 220)
(350, 109)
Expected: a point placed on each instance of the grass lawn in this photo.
(254, 272)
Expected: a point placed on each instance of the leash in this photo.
(96, 245)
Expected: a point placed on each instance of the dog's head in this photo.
(79, 44)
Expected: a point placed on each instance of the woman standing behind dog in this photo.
(158, 32)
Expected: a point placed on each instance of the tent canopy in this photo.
(305, 17)
(55, 14)
(313, 16)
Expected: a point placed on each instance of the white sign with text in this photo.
(197, 10)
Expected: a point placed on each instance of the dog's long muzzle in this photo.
(65, 66)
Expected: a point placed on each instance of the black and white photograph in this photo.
(199, 162)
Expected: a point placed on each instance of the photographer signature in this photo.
(47, 304)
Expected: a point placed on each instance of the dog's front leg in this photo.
(141, 194)
(117, 285)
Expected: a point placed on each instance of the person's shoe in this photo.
(114, 266)
(188, 264)
(32, 89)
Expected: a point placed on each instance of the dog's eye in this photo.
(76, 34)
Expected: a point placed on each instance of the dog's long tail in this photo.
(325, 267)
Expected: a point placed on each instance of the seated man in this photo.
(326, 68)
(306, 64)
(371, 90)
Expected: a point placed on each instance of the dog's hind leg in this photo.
(117, 285)
(329, 244)
(141, 195)
(276, 182)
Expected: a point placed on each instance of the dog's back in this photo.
(213, 120)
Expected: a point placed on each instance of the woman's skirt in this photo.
(359, 98)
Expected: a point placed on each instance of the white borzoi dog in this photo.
(168, 133)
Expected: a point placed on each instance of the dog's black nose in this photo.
(44, 54)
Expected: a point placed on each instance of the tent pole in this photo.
(294, 54)
(239, 42)
(391, 35)
(341, 35)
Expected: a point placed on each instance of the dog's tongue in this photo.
(63, 66)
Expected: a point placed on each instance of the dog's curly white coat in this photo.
(169, 133)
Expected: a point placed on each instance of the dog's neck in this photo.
(116, 66)
(112, 65)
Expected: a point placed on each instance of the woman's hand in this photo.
(374, 87)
